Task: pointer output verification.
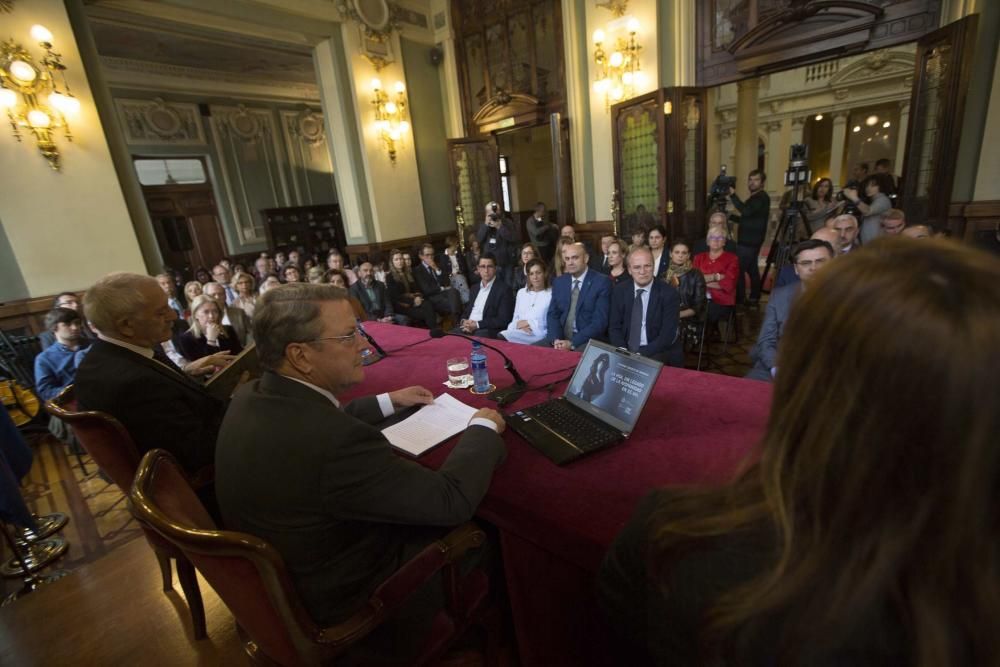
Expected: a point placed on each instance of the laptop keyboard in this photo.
(562, 418)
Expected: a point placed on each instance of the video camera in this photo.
(718, 195)
(849, 206)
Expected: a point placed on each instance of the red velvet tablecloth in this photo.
(557, 522)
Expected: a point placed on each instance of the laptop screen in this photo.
(612, 385)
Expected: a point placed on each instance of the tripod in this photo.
(797, 176)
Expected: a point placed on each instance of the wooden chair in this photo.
(250, 577)
(112, 448)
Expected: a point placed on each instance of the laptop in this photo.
(599, 408)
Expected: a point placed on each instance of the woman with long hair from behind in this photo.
(867, 533)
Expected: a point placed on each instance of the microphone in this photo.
(371, 341)
(502, 397)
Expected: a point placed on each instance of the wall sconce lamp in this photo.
(31, 96)
(390, 116)
(618, 73)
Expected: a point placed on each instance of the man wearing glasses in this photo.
(807, 258)
(318, 480)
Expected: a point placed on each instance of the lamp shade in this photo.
(22, 71)
(40, 33)
(38, 118)
(8, 98)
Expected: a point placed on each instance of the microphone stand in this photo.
(501, 396)
(371, 341)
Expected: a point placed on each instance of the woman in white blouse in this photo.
(528, 324)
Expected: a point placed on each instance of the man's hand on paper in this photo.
(209, 364)
(493, 416)
(415, 395)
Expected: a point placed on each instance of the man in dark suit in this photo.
(435, 285)
(599, 262)
(496, 236)
(644, 312)
(127, 375)
(374, 297)
(808, 257)
(491, 304)
(317, 479)
(580, 301)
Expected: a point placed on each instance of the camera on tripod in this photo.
(798, 166)
(718, 195)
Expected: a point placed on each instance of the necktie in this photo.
(635, 326)
(571, 315)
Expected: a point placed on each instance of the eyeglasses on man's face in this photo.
(343, 340)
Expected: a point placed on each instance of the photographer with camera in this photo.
(496, 238)
(754, 213)
(871, 213)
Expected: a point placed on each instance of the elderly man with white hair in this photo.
(127, 375)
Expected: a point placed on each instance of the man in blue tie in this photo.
(645, 312)
(580, 301)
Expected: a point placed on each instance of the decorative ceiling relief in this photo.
(157, 122)
(247, 125)
(376, 20)
(307, 126)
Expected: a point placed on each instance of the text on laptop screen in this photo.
(612, 385)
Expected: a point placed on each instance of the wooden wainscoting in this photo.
(975, 222)
(27, 316)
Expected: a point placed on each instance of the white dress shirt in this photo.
(643, 340)
(480, 303)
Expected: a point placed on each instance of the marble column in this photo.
(777, 157)
(904, 125)
(798, 130)
(727, 149)
(746, 132)
(837, 143)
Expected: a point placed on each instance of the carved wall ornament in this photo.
(775, 106)
(308, 126)
(245, 125)
(159, 122)
(774, 126)
(377, 18)
(841, 93)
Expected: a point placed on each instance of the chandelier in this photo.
(390, 116)
(33, 99)
(618, 72)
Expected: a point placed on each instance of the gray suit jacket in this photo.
(324, 487)
(764, 351)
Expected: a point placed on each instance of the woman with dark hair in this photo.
(528, 253)
(207, 334)
(819, 206)
(202, 275)
(689, 283)
(472, 257)
(617, 254)
(593, 385)
(291, 273)
(867, 532)
(528, 325)
(403, 293)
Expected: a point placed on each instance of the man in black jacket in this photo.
(127, 375)
(374, 297)
(754, 214)
(543, 234)
(491, 303)
(645, 312)
(434, 284)
(496, 237)
(317, 479)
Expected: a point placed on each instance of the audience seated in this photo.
(336, 261)
(893, 222)
(320, 482)
(491, 304)
(452, 263)
(222, 275)
(434, 285)
(528, 324)
(202, 275)
(745, 254)
(403, 292)
(126, 374)
(617, 270)
(66, 300)
(374, 297)
(270, 282)
(55, 366)
(192, 290)
(721, 270)
(207, 334)
(599, 261)
(317, 275)
(864, 533)
(580, 301)
(820, 205)
(657, 237)
(231, 316)
(807, 258)
(472, 257)
(246, 293)
(542, 234)
(557, 261)
(567, 231)
(291, 273)
(688, 281)
(846, 226)
(166, 283)
(638, 239)
(520, 277)
(788, 274)
(644, 312)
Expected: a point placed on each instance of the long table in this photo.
(556, 522)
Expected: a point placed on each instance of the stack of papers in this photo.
(430, 425)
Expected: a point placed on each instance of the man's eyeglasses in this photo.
(808, 263)
(343, 340)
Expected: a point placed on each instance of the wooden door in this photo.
(562, 171)
(186, 222)
(639, 155)
(684, 166)
(937, 105)
(475, 177)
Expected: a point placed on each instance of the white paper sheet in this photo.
(430, 425)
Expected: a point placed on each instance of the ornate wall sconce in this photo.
(31, 96)
(618, 72)
(390, 116)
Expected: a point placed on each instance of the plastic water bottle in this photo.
(480, 376)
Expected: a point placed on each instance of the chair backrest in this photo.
(18, 356)
(103, 436)
(247, 572)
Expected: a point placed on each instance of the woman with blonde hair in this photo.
(207, 334)
(868, 530)
(246, 292)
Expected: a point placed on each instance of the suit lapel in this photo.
(152, 364)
